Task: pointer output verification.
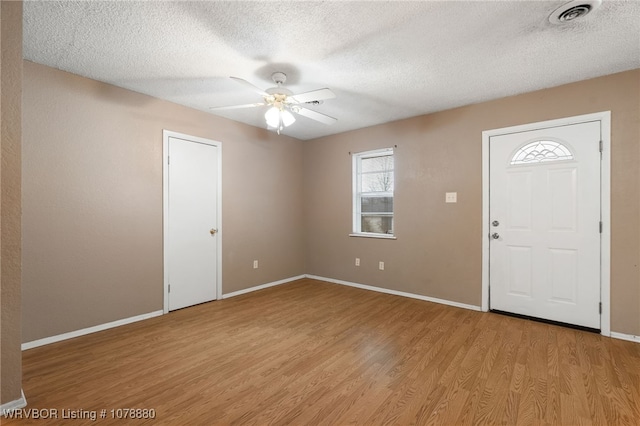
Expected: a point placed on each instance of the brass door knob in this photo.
(213, 231)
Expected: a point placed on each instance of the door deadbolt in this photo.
(495, 223)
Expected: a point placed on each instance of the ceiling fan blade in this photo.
(314, 95)
(239, 106)
(250, 86)
(323, 118)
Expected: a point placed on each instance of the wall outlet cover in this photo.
(451, 197)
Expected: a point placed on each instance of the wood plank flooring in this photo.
(310, 352)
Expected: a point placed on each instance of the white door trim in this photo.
(166, 134)
(605, 204)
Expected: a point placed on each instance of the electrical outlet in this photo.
(357, 261)
(255, 264)
(381, 266)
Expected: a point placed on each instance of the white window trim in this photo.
(372, 235)
(356, 208)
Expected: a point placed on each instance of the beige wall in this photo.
(92, 199)
(10, 140)
(438, 249)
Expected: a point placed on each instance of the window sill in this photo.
(380, 236)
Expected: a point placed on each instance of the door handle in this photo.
(213, 231)
(495, 235)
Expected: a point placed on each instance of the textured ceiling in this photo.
(384, 60)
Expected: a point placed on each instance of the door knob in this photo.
(213, 231)
(495, 235)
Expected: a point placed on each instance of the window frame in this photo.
(356, 174)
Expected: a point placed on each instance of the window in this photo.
(541, 151)
(373, 182)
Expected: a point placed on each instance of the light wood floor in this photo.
(310, 352)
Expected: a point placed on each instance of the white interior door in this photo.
(544, 210)
(192, 215)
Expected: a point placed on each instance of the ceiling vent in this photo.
(573, 10)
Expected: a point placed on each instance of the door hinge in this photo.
(600, 307)
(600, 146)
(169, 289)
(168, 160)
(600, 227)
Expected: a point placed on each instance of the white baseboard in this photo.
(13, 405)
(101, 327)
(397, 293)
(89, 330)
(622, 336)
(262, 286)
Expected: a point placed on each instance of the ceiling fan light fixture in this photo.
(272, 116)
(278, 119)
(287, 118)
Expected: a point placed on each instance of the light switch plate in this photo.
(451, 197)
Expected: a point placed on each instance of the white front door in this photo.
(192, 222)
(544, 212)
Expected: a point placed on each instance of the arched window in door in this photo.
(541, 151)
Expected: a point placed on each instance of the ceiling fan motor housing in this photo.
(279, 92)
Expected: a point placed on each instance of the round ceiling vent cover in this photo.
(573, 10)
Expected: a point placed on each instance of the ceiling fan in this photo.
(284, 104)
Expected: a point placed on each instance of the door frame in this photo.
(166, 134)
(604, 118)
